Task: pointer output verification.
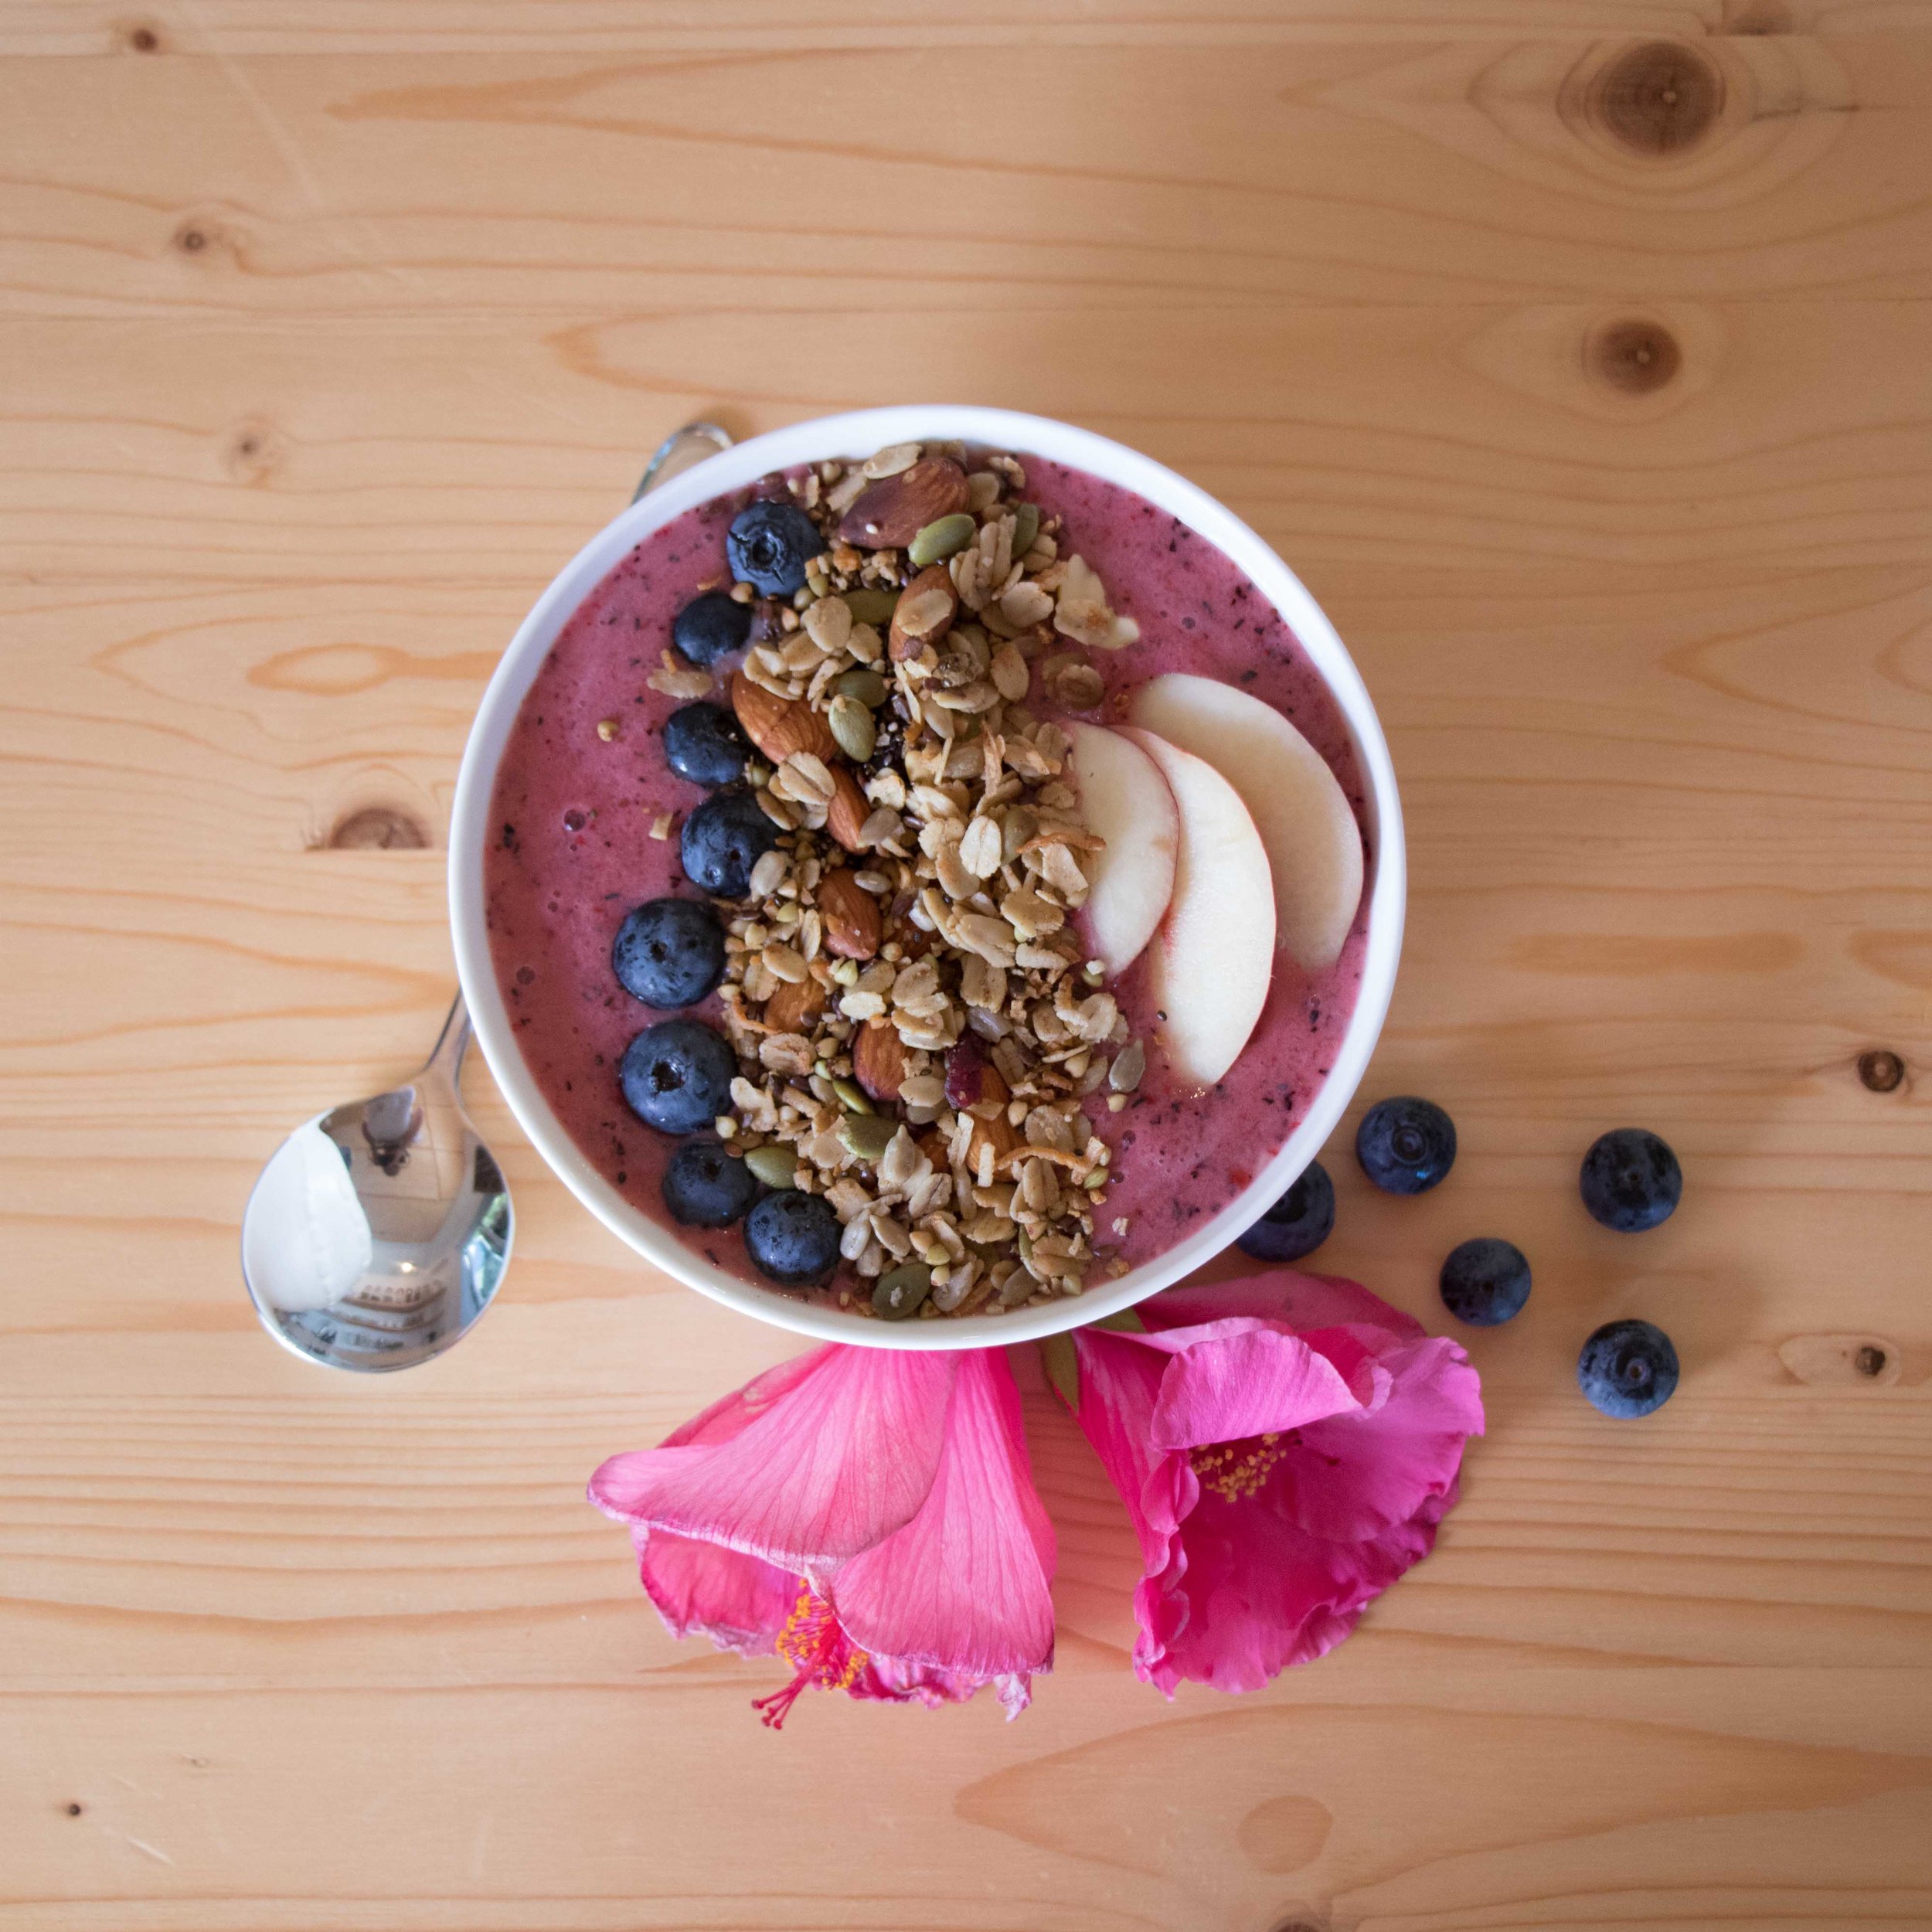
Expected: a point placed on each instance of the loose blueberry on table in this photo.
(1298, 1223)
(1627, 1368)
(1406, 1145)
(1485, 1282)
(1630, 1180)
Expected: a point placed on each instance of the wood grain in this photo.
(1577, 353)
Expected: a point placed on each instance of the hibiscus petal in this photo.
(838, 1459)
(1356, 1476)
(1120, 1386)
(964, 1586)
(1301, 1301)
(1232, 1379)
(739, 1602)
(895, 1681)
(1266, 1594)
(1273, 1565)
(732, 1414)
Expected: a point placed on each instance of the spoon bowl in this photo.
(377, 1234)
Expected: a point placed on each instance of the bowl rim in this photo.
(843, 435)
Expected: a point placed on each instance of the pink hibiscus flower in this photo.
(1286, 1445)
(868, 1514)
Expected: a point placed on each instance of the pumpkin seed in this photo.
(871, 606)
(1026, 527)
(902, 1292)
(852, 725)
(866, 1136)
(867, 686)
(853, 1096)
(942, 539)
(776, 1166)
(1129, 1064)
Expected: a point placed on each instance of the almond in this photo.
(890, 514)
(796, 1003)
(781, 727)
(997, 1132)
(878, 1060)
(924, 612)
(851, 916)
(846, 816)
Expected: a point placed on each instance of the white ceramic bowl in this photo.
(857, 434)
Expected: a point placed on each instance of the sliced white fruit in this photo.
(1212, 958)
(1314, 844)
(1125, 799)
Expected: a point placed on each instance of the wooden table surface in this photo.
(1578, 353)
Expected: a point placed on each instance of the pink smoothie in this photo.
(571, 853)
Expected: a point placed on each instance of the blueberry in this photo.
(722, 840)
(1298, 1223)
(1485, 1282)
(705, 1188)
(1627, 1368)
(702, 742)
(1406, 1146)
(768, 546)
(669, 952)
(677, 1075)
(793, 1237)
(710, 627)
(1630, 1180)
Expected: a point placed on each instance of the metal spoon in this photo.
(379, 1230)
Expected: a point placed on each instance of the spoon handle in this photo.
(679, 450)
(446, 1057)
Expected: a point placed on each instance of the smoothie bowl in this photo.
(928, 878)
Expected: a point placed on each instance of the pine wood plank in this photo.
(328, 331)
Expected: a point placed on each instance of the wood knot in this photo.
(202, 237)
(140, 36)
(252, 453)
(378, 827)
(1658, 99)
(1881, 1069)
(1842, 1361)
(1633, 356)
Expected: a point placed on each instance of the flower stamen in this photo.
(818, 1650)
(1235, 1471)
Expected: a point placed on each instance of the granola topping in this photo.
(917, 1032)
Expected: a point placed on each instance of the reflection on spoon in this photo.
(306, 1241)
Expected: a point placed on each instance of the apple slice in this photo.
(1214, 951)
(1125, 799)
(1314, 844)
